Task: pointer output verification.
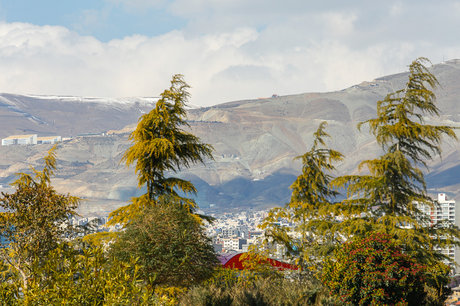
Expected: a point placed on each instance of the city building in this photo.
(230, 232)
(20, 140)
(49, 140)
(444, 209)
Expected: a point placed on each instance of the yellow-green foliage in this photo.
(248, 287)
(160, 145)
(310, 206)
(385, 199)
(170, 244)
(72, 276)
(34, 219)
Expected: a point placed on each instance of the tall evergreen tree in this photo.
(310, 205)
(161, 146)
(390, 197)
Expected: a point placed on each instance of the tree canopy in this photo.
(170, 244)
(389, 199)
(375, 271)
(310, 205)
(161, 146)
(34, 219)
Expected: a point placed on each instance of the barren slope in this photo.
(255, 141)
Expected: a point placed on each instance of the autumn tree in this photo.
(43, 263)
(33, 221)
(162, 146)
(309, 209)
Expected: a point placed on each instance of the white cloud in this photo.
(396, 9)
(230, 50)
(340, 23)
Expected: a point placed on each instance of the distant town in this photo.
(230, 232)
(236, 232)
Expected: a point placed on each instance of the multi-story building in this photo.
(444, 209)
(234, 244)
(230, 232)
(20, 140)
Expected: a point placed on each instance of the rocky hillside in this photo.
(255, 141)
(67, 116)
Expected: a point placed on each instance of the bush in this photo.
(234, 287)
(374, 271)
(75, 276)
(170, 244)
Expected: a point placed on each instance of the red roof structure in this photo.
(234, 261)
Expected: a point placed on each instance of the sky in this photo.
(227, 50)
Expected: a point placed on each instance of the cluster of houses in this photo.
(31, 139)
(235, 232)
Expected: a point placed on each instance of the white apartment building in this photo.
(445, 209)
(20, 140)
(232, 243)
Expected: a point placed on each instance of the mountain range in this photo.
(255, 141)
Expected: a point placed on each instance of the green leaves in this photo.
(70, 275)
(386, 200)
(34, 219)
(161, 146)
(310, 207)
(400, 124)
(374, 271)
(389, 197)
(170, 244)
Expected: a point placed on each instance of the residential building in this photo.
(235, 244)
(230, 232)
(20, 140)
(444, 210)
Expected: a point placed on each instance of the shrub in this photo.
(170, 244)
(374, 271)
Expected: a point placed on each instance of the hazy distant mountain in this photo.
(67, 116)
(255, 141)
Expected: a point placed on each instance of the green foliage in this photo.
(374, 271)
(389, 198)
(161, 145)
(438, 276)
(170, 244)
(400, 124)
(38, 266)
(234, 287)
(34, 220)
(74, 276)
(310, 206)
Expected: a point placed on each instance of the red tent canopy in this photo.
(234, 261)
